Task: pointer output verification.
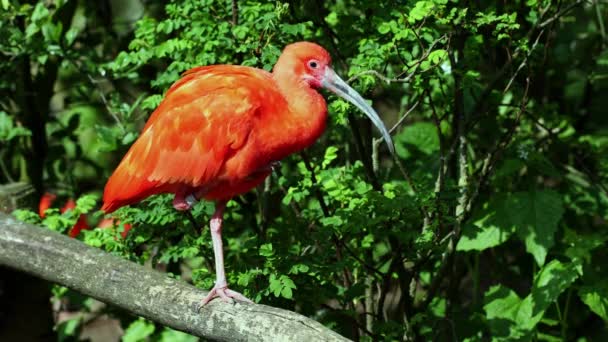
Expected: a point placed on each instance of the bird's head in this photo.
(311, 64)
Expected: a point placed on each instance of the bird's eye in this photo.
(313, 64)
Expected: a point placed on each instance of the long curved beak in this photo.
(334, 83)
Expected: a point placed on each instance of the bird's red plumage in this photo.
(215, 133)
(220, 128)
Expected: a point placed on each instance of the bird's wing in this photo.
(203, 120)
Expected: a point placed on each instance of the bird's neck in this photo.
(307, 110)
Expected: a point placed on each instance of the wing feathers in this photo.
(204, 118)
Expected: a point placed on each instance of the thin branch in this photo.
(405, 115)
(4, 169)
(400, 79)
(523, 63)
(442, 170)
(460, 140)
(101, 92)
(360, 146)
(402, 119)
(554, 135)
(235, 13)
(381, 77)
(492, 157)
(600, 21)
(560, 13)
(484, 97)
(105, 102)
(361, 261)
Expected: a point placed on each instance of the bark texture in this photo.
(146, 292)
(25, 310)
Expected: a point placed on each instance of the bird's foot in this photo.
(226, 294)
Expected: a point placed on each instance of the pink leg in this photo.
(221, 286)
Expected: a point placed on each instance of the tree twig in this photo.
(491, 159)
(399, 79)
(600, 21)
(442, 170)
(523, 63)
(235, 13)
(560, 14)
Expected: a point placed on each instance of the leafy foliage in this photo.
(487, 225)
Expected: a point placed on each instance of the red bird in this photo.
(220, 128)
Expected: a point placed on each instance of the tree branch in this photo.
(560, 13)
(145, 292)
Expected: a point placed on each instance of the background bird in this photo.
(220, 128)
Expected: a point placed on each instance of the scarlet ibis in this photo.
(220, 129)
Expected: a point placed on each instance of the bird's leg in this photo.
(221, 286)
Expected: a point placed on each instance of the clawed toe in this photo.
(226, 294)
(237, 296)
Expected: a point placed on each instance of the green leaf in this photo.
(274, 285)
(335, 221)
(532, 215)
(554, 278)
(70, 36)
(27, 216)
(596, 297)
(266, 250)
(9, 130)
(538, 215)
(128, 138)
(299, 268)
(438, 56)
(330, 155)
(484, 233)
(281, 286)
(138, 331)
(510, 317)
(502, 306)
(67, 330)
(421, 10)
(86, 203)
(420, 137)
(501, 302)
(170, 335)
(286, 292)
(288, 286)
(40, 12)
(107, 137)
(384, 28)
(580, 245)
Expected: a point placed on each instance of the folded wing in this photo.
(205, 118)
